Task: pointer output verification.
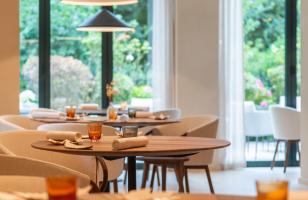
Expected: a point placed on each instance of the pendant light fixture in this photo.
(104, 21)
(99, 2)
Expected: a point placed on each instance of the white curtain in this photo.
(231, 83)
(163, 54)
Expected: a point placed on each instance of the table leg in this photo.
(131, 168)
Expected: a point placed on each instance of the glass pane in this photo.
(264, 74)
(75, 57)
(28, 24)
(132, 56)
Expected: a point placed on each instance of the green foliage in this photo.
(71, 84)
(142, 92)
(81, 52)
(124, 85)
(263, 22)
(264, 50)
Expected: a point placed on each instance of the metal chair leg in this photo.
(153, 177)
(276, 149)
(145, 174)
(207, 170)
(287, 156)
(186, 180)
(164, 177)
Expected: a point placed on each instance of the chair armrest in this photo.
(204, 130)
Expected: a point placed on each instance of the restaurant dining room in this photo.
(154, 100)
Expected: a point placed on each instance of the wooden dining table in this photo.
(157, 146)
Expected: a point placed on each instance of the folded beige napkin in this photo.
(46, 113)
(127, 143)
(88, 106)
(64, 135)
(143, 114)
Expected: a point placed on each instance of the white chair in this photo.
(196, 126)
(21, 121)
(257, 124)
(114, 167)
(286, 129)
(19, 143)
(15, 171)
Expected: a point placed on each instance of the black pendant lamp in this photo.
(99, 2)
(104, 21)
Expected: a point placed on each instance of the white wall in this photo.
(196, 56)
(9, 57)
(304, 94)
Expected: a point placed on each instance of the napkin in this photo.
(143, 114)
(88, 106)
(127, 143)
(46, 113)
(64, 135)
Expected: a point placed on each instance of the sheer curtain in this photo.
(231, 83)
(163, 54)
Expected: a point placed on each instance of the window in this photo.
(132, 54)
(270, 49)
(75, 62)
(28, 55)
(76, 58)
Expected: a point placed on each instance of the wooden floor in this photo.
(235, 182)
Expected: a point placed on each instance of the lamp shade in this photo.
(99, 2)
(104, 21)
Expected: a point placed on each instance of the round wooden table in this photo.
(158, 146)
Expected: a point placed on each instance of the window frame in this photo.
(291, 22)
(45, 53)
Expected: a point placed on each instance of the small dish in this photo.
(70, 145)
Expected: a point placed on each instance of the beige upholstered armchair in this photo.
(18, 143)
(14, 167)
(21, 121)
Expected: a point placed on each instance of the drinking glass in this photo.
(272, 190)
(70, 112)
(61, 188)
(95, 131)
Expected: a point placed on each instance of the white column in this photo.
(304, 95)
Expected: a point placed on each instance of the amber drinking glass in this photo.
(95, 131)
(70, 112)
(272, 190)
(61, 188)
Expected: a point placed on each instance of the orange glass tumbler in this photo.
(95, 131)
(272, 190)
(70, 112)
(61, 188)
